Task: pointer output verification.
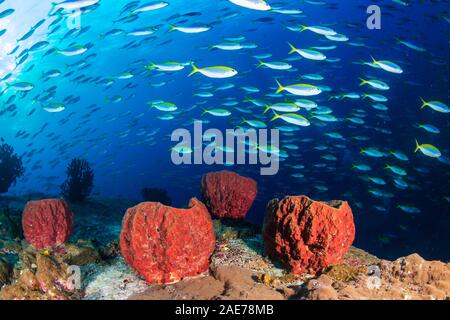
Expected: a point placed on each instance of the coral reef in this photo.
(5, 272)
(156, 195)
(111, 250)
(79, 182)
(11, 167)
(407, 278)
(165, 244)
(237, 268)
(80, 253)
(47, 223)
(307, 235)
(228, 195)
(45, 279)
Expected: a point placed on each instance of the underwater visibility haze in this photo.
(363, 114)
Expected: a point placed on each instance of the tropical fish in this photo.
(163, 106)
(408, 209)
(73, 51)
(292, 118)
(275, 65)
(20, 86)
(70, 5)
(217, 72)
(388, 66)
(411, 46)
(255, 123)
(259, 5)
(151, 6)
(6, 13)
(435, 105)
(55, 108)
(190, 29)
(299, 89)
(372, 152)
(217, 112)
(227, 46)
(166, 66)
(428, 150)
(282, 107)
(319, 30)
(429, 128)
(308, 53)
(376, 84)
(397, 170)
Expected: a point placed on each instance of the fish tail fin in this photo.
(7, 85)
(52, 7)
(172, 28)
(243, 120)
(363, 82)
(211, 47)
(261, 63)
(194, 71)
(303, 28)
(205, 111)
(293, 49)
(417, 146)
(424, 103)
(151, 66)
(275, 117)
(373, 59)
(365, 95)
(247, 99)
(267, 108)
(280, 87)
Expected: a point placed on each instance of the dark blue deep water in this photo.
(101, 91)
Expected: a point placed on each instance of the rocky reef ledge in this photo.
(238, 268)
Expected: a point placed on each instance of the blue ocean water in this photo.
(89, 71)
